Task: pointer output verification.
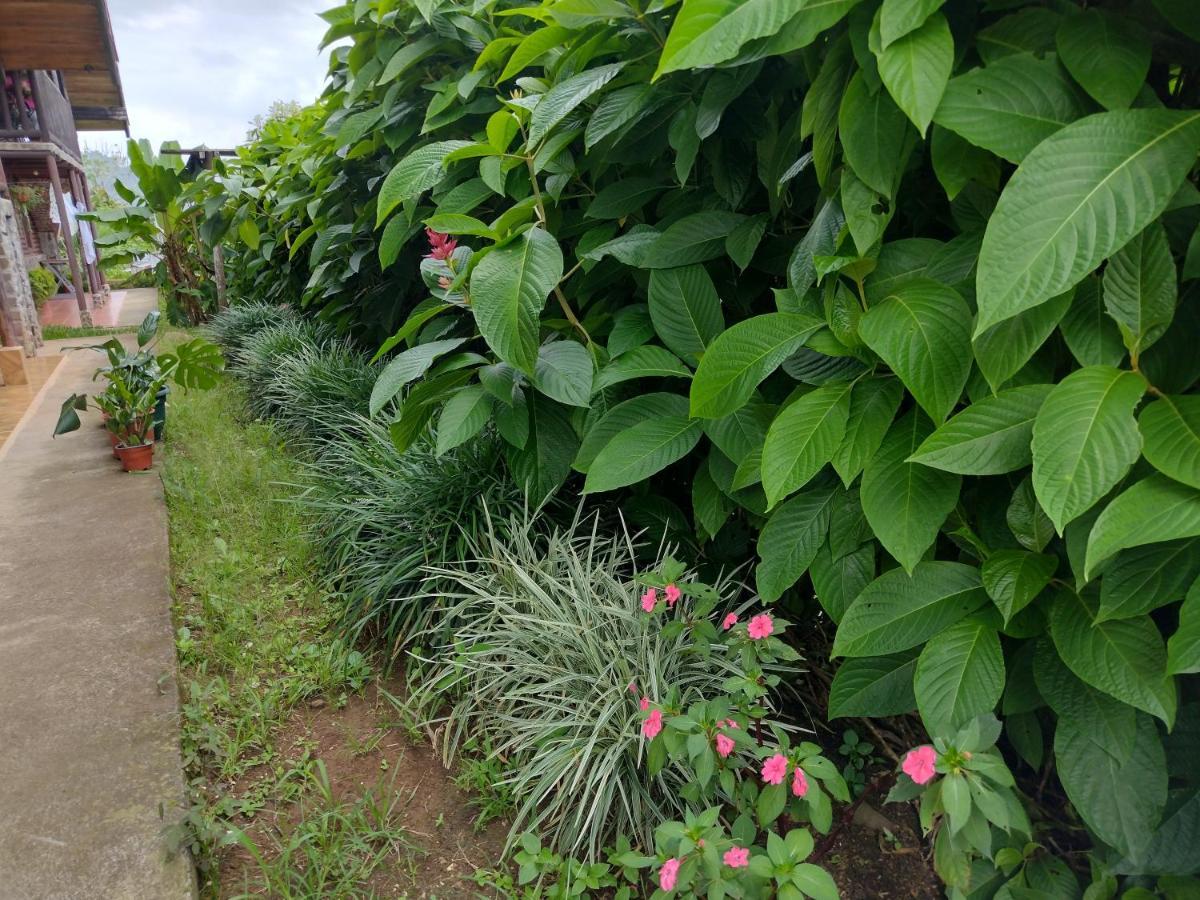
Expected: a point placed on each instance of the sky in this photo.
(199, 72)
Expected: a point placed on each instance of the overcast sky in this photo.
(199, 72)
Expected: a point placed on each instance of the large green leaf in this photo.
(915, 68)
(790, 540)
(692, 239)
(897, 611)
(803, 438)
(1124, 658)
(405, 367)
(1047, 231)
(1139, 289)
(898, 17)
(509, 287)
(1107, 54)
(838, 580)
(1155, 509)
(557, 103)
(1091, 335)
(1012, 105)
(707, 32)
(685, 309)
(1085, 439)
(742, 356)
(1141, 579)
(463, 417)
(1027, 520)
(1077, 702)
(544, 463)
(959, 675)
(535, 44)
(1171, 433)
(742, 431)
(1121, 801)
(873, 686)
(624, 416)
(642, 450)
(1002, 350)
(1183, 649)
(922, 330)
(873, 405)
(564, 372)
(647, 361)
(873, 131)
(1013, 578)
(414, 174)
(989, 437)
(906, 503)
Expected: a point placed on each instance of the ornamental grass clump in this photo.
(233, 327)
(555, 665)
(263, 353)
(320, 391)
(379, 515)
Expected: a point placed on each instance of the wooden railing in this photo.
(50, 120)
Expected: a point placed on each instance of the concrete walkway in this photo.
(89, 757)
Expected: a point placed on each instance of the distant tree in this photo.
(278, 111)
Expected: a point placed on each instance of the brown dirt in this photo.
(867, 864)
(363, 745)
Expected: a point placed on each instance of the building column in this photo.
(85, 314)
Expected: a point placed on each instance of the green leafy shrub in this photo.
(378, 516)
(895, 298)
(43, 285)
(232, 327)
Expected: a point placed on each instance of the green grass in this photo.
(59, 332)
(252, 620)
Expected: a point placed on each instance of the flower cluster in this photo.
(441, 246)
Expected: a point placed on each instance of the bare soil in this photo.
(363, 745)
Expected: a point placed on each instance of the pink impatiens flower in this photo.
(649, 599)
(652, 725)
(761, 626)
(669, 873)
(799, 782)
(729, 621)
(632, 688)
(725, 745)
(673, 594)
(441, 246)
(774, 769)
(729, 723)
(644, 704)
(918, 763)
(737, 857)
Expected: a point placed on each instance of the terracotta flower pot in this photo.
(137, 458)
(114, 440)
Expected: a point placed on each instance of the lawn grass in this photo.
(60, 332)
(252, 623)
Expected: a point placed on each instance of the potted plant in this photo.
(137, 381)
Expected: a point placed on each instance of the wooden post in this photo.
(85, 314)
(5, 115)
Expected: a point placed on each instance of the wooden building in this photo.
(58, 76)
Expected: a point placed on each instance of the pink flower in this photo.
(737, 857)
(644, 704)
(632, 688)
(668, 874)
(443, 282)
(441, 246)
(672, 594)
(649, 599)
(774, 769)
(729, 723)
(761, 626)
(652, 725)
(729, 621)
(725, 745)
(918, 763)
(799, 782)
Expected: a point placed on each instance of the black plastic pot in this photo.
(160, 413)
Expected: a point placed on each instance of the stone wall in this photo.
(16, 297)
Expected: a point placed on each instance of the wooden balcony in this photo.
(35, 108)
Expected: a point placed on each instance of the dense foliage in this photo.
(894, 296)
